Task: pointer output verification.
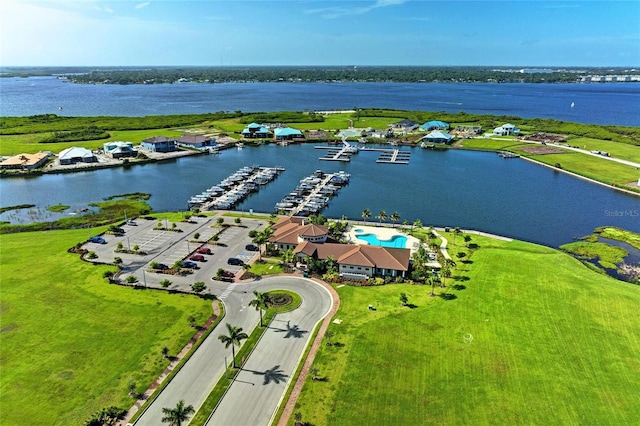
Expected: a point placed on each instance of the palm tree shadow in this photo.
(274, 374)
(291, 331)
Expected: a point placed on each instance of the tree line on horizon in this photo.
(169, 75)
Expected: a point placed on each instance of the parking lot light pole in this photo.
(144, 278)
(128, 244)
(188, 249)
(226, 367)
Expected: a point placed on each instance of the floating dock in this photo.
(390, 156)
(235, 188)
(339, 154)
(507, 154)
(312, 194)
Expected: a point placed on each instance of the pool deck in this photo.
(383, 233)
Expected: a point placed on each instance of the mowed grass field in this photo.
(71, 342)
(530, 336)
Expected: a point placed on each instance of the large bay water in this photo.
(608, 103)
(454, 188)
(469, 189)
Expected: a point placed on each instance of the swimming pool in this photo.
(397, 241)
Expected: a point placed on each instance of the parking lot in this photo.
(168, 246)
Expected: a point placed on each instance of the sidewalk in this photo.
(172, 365)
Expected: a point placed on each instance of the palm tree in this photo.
(176, 416)
(233, 340)
(417, 224)
(456, 231)
(446, 273)
(395, 217)
(404, 299)
(381, 216)
(366, 214)
(260, 302)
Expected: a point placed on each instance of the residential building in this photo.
(75, 155)
(255, 130)
(507, 130)
(405, 126)
(196, 141)
(119, 149)
(287, 134)
(437, 136)
(288, 232)
(25, 161)
(159, 144)
(434, 125)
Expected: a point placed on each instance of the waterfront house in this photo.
(255, 130)
(506, 130)
(437, 136)
(196, 141)
(159, 144)
(434, 125)
(25, 161)
(75, 155)
(287, 134)
(119, 149)
(404, 126)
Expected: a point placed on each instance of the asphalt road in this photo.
(255, 395)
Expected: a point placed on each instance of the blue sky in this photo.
(314, 32)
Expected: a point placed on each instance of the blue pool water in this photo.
(397, 241)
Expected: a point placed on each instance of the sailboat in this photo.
(573, 104)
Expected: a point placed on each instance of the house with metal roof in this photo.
(75, 155)
(287, 134)
(437, 136)
(119, 149)
(405, 125)
(506, 130)
(196, 141)
(159, 144)
(434, 125)
(255, 130)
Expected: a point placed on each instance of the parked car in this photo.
(161, 267)
(235, 261)
(251, 247)
(204, 250)
(98, 240)
(131, 223)
(197, 258)
(228, 274)
(190, 264)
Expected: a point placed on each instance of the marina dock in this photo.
(507, 154)
(312, 194)
(339, 154)
(390, 156)
(235, 188)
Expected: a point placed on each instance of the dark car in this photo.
(189, 264)
(251, 247)
(204, 250)
(160, 266)
(197, 258)
(235, 261)
(98, 240)
(228, 274)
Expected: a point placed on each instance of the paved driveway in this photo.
(266, 373)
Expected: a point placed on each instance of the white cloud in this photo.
(142, 5)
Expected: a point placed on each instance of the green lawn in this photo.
(490, 144)
(532, 337)
(71, 342)
(592, 167)
(619, 150)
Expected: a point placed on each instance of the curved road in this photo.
(255, 394)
